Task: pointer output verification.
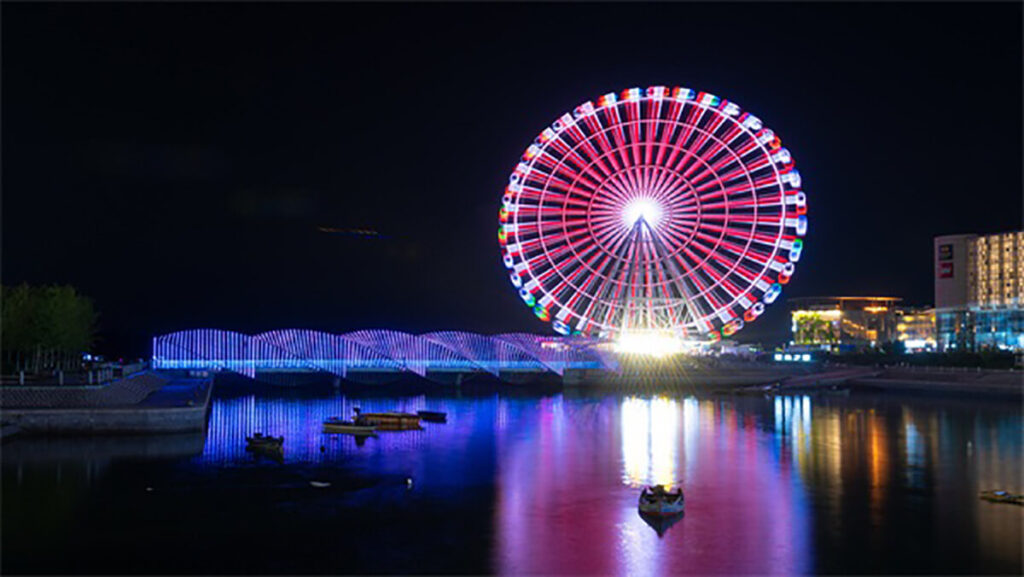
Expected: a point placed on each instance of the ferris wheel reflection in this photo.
(650, 440)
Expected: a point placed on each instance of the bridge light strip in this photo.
(372, 350)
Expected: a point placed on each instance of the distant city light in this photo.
(792, 357)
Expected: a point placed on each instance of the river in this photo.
(522, 481)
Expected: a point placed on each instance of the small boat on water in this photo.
(433, 416)
(661, 523)
(340, 426)
(268, 446)
(389, 421)
(657, 501)
(261, 440)
(1002, 497)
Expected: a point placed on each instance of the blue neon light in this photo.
(376, 350)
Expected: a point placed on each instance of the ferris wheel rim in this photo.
(727, 272)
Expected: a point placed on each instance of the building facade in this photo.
(979, 292)
(844, 323)
(915, 328)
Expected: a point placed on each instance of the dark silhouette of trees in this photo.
(45, 327)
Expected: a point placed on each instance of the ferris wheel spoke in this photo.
(707, 268)
(696, 172)
(668, 128)
(588, 155)
(570, 178)
(633, 123)
(588, 170)
(598, 139)
(619, 136)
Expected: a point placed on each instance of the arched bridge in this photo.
(376, 351)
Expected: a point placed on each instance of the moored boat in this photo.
(1002, 497)
(391, 421)
(261, 440)
(660, 502)
(261, 444)
(433, 416)
(338, 425)
(661, 523)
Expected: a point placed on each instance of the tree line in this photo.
(45, 328)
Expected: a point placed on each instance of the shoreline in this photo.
(160, 403)
(144, 403)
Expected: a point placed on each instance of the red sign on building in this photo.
(945, 270)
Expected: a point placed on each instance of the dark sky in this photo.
(173, 161)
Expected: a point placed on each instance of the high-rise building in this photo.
(979, 291)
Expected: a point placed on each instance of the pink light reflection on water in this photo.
(570, 507)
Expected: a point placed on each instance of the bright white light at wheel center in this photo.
(645, 208)
(649, 343)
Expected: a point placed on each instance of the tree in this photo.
(46, 327)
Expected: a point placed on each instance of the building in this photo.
(915, 328)
(844, 323)
(979, 291)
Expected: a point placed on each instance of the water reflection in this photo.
(650, 438)
(790, 484)
(725, 463)
(544, 484)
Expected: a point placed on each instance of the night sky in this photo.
(175, 162)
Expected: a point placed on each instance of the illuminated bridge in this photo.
(374, 352)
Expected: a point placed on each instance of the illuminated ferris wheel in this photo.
(663, 209)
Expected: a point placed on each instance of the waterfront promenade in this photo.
(146, 402)
(998, 384)
(944, 381)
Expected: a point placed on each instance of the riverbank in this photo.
(975, 383)
(143, 403)
(990, 384)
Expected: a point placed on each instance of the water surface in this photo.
(519, 482)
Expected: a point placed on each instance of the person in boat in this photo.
(658, 492)
(358, 419)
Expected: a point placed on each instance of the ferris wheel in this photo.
(662, 208)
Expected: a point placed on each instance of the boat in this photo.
(657, 501)
(1002, 497)
(261, 440)
(392, 421)
(661, 523)
(338, 425)
(433, 416)
(268, 446)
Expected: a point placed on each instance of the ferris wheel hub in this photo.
(644, 208)
(650, 343)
